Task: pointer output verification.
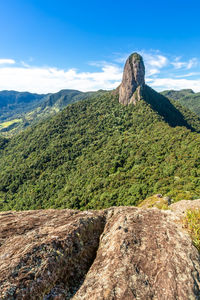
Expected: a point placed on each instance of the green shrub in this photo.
(192, 222)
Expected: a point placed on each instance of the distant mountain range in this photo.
(21, 109)
(185, 97)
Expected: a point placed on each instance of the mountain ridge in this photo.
(69, 160)
(186, 97)
(19, 110)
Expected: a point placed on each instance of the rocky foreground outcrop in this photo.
(131, 88)
(118, 253)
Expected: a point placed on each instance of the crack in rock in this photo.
(118, 253)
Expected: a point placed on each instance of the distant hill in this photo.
(13, 103)
(21, 109)
(186, 98)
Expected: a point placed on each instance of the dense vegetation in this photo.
(18, 110)
(3, 142)
(192, 223)
(187, 98)
(14, 103)
(97, 153)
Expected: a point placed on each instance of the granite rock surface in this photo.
(117, 253)
(131, 88)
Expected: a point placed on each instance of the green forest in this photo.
(185, 97)
(97, 153)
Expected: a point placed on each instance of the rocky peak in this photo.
(130, 90)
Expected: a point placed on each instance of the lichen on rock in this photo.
(113, 254)
(143, 254)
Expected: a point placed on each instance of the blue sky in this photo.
(48, 45)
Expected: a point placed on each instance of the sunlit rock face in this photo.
(130, 90)
(113, 254)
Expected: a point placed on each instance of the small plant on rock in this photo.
(192, 222)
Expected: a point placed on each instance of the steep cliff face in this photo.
(130, 90)
(118, 253)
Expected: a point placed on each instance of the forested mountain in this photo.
(14, 103)
(21, 109)
(185, 97)
(18, 110)
(98, 152)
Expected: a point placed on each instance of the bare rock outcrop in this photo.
(118, 253)
(143, 254)
(131, 88)
(181, 207)
(45, 254)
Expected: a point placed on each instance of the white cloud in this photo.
(174, 84)
(178, 64)
(152, 71)
(192, 63)
(121, 58)
(184, 64)
(5, 61)
(24, 64)
(154, 61)
(46, 80)
(188, 75)
(176, 80)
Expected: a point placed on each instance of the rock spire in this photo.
(130, 90)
